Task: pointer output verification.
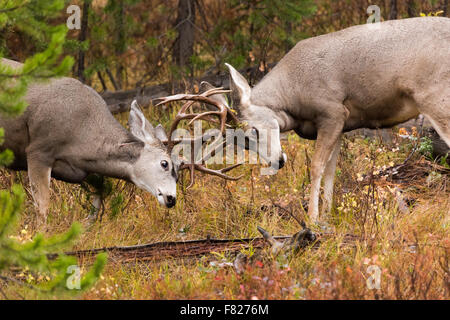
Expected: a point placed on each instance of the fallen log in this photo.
(279, 245)
(187, 249)
(171, 249)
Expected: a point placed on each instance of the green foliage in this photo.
(152, 42)
(444, 161)
(31, 19)
(426, 147)
(116, 204)
(109, 30)
(32, 255)
(131, 38)
(259, 26)
(6, 157)
(103, 187)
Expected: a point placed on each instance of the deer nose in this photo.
(170, 201)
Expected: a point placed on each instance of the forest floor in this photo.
(402, 240)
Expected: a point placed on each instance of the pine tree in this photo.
(32, 255)
(31, 18)
(249, 33)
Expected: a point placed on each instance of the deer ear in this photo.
(139, 125)
(240, 89)
(160, 133)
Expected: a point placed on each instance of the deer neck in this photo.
(271, 104)
(111, 168)
(114, 158)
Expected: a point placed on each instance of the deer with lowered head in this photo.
(366, 76)
(67, 132)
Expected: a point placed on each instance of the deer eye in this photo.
(164, 164)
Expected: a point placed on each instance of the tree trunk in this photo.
(394, 11)
(120, 45)
(81, 38)
(287, 44)
(411, 4)
(185, 26)
(102, 81)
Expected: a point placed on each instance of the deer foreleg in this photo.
(39, 175)
(328, 178)
(329, 132)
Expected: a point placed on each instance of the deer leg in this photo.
(39, 175)
(328, 178)
(328, 135)
(96, 203)
(435, 104)
(96, 196)
(441, 122)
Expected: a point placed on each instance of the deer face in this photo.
(260, 121)
(154, 170)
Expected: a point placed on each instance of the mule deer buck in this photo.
(365, 76)
(67, 132)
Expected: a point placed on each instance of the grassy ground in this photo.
(234, 209)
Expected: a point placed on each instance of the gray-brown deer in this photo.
(67, 132)
(366, 76)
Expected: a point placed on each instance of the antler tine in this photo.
(222, 112)
(219, 173)
(200, 167)
(182, 96)
(231, 168)
(220, 90)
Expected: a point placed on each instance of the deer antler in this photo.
(222, 112)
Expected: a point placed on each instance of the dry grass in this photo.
(234, 209)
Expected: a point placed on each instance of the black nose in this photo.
(281, 162)
(170, 201)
